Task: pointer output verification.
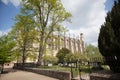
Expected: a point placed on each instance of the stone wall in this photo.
(105, 75)
(94, 77)
(51, 73)
(19, 65)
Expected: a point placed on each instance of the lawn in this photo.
(75, 71)
(83, 69)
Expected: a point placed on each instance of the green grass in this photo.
(106, 67)
(84, 69)
(55, 67)
(74, 70)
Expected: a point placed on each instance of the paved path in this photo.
(83, 77)
(23, 75)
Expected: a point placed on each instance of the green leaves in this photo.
(92, 52)
(7, 45)
(73, 57)
(49, 59)
(109, 40)
(23, 32)
(36, 22)
(62, 53)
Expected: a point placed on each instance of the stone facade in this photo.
(57, 42)
(71, 43)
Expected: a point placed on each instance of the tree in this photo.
(62, 54)
(23, 32)
(7, 45)
(48, 16)
(49, 59)
(109, 40)
(92, 52)
(74, 57)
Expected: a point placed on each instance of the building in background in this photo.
(74, 43)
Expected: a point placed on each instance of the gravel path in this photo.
(23, 75)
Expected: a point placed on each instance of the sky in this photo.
(87, 17)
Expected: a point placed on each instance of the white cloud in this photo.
(0, 33)
(4, 32)
(5, 1)
(14, 2)
(87, 17)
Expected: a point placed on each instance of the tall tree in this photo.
(109, 40)
(7, 45)
(23, 32)
(48, 16)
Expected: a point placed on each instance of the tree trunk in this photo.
(23, 59)
(23, 56)
(39, 62)
(2, 68)
(41, 48)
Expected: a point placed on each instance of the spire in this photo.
(64, 40)
(52, 41)
(69, 42)
(81, 43)
(58, 45)
(74, 43)
(81, 36)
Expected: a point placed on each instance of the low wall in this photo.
(96, 77)
(19, 65)
(105, 75)
(51, 73)
(61, 75)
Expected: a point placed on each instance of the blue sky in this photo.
(109, 4)
(10, 8)
(7, 15)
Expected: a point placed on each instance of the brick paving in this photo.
(23, 75)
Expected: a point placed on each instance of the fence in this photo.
(86, 67)
(82, 69)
